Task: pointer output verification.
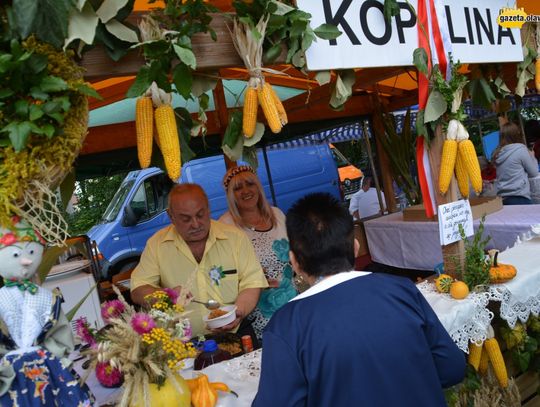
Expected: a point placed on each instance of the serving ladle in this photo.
(210, 304)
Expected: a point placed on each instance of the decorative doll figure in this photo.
(35, 336)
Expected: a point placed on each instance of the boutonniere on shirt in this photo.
(216, 274)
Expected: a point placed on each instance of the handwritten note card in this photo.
(451, 215)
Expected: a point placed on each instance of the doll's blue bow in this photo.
(22, 285)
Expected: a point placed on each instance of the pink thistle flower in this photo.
(108, 376)
(172, 294)
(111, 309)
(84, 332)
(142, 323)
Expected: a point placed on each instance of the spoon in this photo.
(210, 304)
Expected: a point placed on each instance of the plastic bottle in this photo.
(211, 354)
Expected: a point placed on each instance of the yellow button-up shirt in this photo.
(167, 261)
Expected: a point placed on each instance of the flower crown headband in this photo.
(233, 172)
(19, 231)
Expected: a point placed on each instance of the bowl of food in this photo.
(220, 317)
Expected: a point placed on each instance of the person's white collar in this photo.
(330, 282)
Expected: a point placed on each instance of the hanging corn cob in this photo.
(495, 357)
(469, 158)
(144, 125)
(251, 105)
(266, 101)
(167, 132)
(448, 159)
(475, 354)
(462, 177)
(484, 362)
(258, 91)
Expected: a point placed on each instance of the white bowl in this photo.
(223, 320)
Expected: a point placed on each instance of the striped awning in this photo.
(346, 132)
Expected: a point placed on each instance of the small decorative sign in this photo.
(452, 215)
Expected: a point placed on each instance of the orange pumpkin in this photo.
(501, 273)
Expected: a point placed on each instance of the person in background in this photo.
(265, 226)
(209, 259)
(365, 202)
(532, 135)
(354, 338)
(515, 165)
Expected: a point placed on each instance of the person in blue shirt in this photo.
(353, 338)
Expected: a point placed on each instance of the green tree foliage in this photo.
(93, 195)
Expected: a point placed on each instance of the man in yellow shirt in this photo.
(210, 259)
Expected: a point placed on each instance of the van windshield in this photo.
(116, 203)
(339, 158)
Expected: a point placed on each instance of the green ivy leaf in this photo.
(18, 134)
(182, 79)
(249, 155)
(59, 117)
(37, 93)
(420, 60)
(37, 63)
(272, 53)
(21, 107)
(281, 8)
(47, 19)
(155, 49)
(257, 136)
(48, 129)
(87, 90)
(109, 8)
(327, 32)
(121, 31)
(299, 27)
(201, 85)
(53, 84)
(234, 129)
(141, 84)
(435, 107)
(391, 9)
(35, 112)
(5, 93)
(186, 56)
(481, 93)
(421, 129)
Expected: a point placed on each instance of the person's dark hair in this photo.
(321, 235)
(532, 131)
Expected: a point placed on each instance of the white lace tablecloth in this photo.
(241, 374)
(465, 320)
(520, 297)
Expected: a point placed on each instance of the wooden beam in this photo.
(274, 79)
(356, 106)
(222, 116)
(210, 54)
(110, 93)
(364, 78)
(409, 98)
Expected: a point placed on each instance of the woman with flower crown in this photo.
(35, 336)
(265, 226)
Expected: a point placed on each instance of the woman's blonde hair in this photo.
(262, 204)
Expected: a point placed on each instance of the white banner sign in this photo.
(452, 215)
(368, 41)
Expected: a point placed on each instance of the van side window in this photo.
(151, 197)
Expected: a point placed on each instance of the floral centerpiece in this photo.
(141, 350)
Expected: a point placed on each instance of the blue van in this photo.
(138, 208)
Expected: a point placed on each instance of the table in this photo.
(240, 374)
(468, 320)
(416, 245)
